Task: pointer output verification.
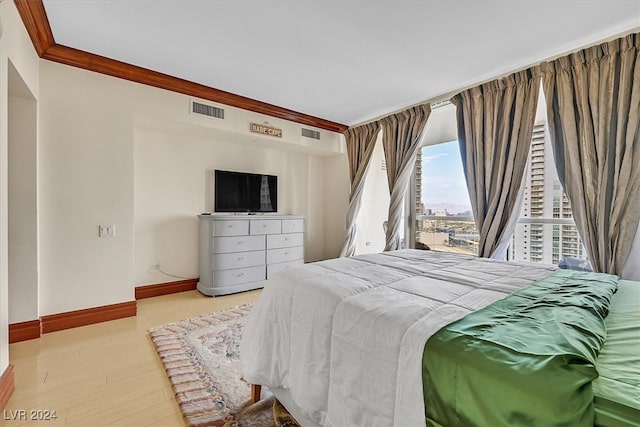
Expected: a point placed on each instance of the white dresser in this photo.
(239, 252)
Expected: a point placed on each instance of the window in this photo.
(545, 231)
(552, 231)
(444, 220)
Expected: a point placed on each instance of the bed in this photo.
(341, 342)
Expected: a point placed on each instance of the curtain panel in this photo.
(593, 104)
(360, 143)
(401, 138)
(495, 126)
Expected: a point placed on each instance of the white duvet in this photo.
(346, 336)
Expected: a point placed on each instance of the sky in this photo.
(443, 182)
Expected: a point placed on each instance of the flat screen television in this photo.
(245, 192)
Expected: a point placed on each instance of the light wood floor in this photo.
(107, 374)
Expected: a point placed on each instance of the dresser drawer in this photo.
(284, 254)
(223, 245)
(274, 268)
(292, 225)
(285, 240)
(265, 226)
(237, 276)
(230, 228)
(237, 260)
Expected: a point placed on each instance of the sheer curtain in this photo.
(401, 138)
(495, 125)
(360, 141)
(593, 104)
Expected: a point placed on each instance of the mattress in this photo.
(321, 336)
(322, 333)
(617, 390)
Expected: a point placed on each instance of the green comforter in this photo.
(526, 360)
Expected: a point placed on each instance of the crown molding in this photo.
(36, 22)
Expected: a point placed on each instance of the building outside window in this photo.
(546, 231)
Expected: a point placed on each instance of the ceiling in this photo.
(344, 61)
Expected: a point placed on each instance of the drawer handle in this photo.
(241, 242)
(286, 253)
(240, 258)
(264, 225)
(240, 274)
(230, 226)
(286, 239)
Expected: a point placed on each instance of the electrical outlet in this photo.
(106, 230)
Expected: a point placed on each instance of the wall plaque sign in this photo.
(266, 130)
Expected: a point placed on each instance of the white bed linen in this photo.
(346, 336)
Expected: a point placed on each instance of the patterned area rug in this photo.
(202, 359)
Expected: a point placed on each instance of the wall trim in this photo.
(32, 329)
(7, 386)
(35, 20)
(23, 331)
(88, 316)
(149, 291)
(37, 24)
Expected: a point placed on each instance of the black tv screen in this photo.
(245, 192)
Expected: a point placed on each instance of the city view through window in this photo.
(443, 210)
(545, 231)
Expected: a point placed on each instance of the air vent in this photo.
(207, 110)
(313, 134)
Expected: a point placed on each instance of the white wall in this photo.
(336, 203)
(86, 179)
(23, 219)
(173, 174)
(16, 46)
(117, 152)
(370, 235)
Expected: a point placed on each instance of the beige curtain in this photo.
(495, 125)
(593, 103)
(401, 138)
(360, 141)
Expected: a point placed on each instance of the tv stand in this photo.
(238, 253)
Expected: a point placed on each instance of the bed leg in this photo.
(256, 390)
